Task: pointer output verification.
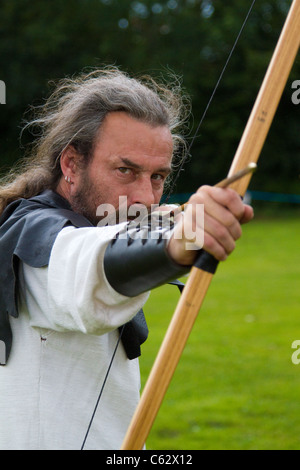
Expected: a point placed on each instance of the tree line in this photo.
(42, 42)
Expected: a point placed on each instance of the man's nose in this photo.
(143, 194)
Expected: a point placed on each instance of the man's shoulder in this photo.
(48, 208)
(29, 227)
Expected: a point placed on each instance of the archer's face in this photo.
(130, 159)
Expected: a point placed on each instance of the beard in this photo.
(84, 201)
(87, 200)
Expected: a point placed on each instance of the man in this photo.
(68, 286)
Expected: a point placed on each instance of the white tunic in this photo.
(63, 341)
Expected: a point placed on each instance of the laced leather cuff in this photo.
(136, 260)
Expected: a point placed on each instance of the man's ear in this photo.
(69, 161)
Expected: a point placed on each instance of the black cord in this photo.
(102, 388)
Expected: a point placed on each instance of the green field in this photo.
(236, 386)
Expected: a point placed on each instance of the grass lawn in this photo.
(236, 386)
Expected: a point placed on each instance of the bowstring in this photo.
(168, 197)
(102, 388)
(208, 104)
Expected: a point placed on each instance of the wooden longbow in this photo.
(200, 276)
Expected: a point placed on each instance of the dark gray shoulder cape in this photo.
(28, 229)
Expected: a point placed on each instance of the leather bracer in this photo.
(136, 260)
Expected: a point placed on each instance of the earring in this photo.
(68, 179)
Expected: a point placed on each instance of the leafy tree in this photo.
(44, 41)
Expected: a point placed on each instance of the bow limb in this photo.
(200, 278)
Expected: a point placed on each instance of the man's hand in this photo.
(224, 212)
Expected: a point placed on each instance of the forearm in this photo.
(136, 261)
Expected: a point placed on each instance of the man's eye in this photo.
(157, 177)
(124, 170)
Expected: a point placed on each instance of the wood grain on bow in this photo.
(199, 279)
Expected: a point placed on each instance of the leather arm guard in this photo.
(136, 260)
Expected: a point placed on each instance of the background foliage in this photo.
(44, 41)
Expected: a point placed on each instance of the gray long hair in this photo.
(73, 114)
